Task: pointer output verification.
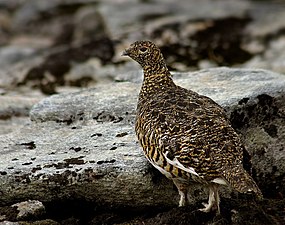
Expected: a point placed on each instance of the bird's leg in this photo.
(217, 197)
(182, 190)
(209, 205)
(214, 199)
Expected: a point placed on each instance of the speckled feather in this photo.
(183, 134)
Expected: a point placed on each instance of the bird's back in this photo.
(188, 126)
(183, 134)
(190, 132)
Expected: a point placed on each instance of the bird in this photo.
(185, 135)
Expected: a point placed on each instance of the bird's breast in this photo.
(151, 141)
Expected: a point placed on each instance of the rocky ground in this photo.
(67, 102)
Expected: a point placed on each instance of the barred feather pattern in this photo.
(185, 135)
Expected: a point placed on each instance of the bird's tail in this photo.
(241, 181)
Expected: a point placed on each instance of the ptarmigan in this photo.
(186, 136)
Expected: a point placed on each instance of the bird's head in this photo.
(146, 53)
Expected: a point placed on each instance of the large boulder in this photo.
(82, 145)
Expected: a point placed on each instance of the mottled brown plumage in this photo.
(185, 135)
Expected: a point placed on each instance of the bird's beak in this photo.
(125, 52)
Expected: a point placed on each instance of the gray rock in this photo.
(9, 223)
(14, 111)
(13, 75)
(264, 37)
(88, 24)
(28, 209)
(83, 145)
(84, 74)
(16, 105)
(11, 124)
(267, 19)
(5, 24)
(30, 11)
(13, 54)
(125, 13)
(273, 58)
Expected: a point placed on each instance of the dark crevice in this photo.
(262, 111)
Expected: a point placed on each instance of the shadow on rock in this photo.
(234, 212)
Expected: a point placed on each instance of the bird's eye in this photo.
(143, 49)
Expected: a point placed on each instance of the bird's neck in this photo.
(156, 78)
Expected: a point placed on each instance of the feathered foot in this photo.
(182, 190)
(214, 199)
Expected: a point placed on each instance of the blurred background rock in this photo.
(48, 45)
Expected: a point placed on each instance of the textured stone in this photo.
(14, 111)
(28, 209)
(83, 145)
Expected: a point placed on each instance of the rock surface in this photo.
(83, 145)
(14, 111)
(28, 209)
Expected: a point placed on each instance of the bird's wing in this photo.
(196, 135)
